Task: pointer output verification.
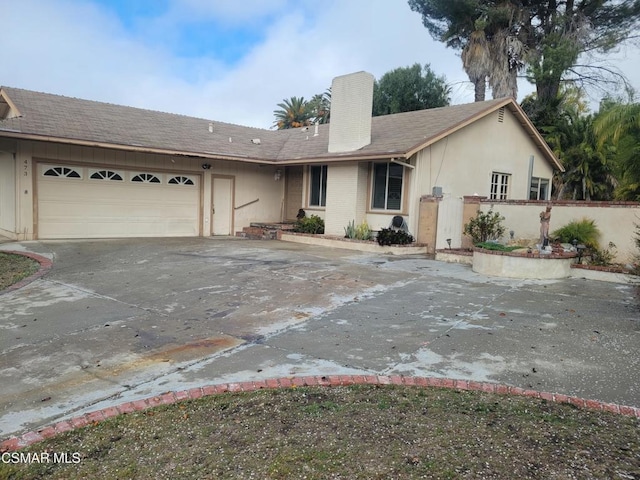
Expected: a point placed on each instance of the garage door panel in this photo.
(88, 208)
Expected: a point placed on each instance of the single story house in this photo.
(72, 168)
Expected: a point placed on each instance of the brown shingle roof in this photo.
(71, 120)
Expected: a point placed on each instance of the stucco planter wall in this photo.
(345, 243)
(455, 256)
(513, 265)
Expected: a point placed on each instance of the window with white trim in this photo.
(318, 186)
(500, 186)
(539, 189)
(145, 178)
(106, 175)
(387, 186)
(62, 172)
(180, 181)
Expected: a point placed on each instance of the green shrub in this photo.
(486, 226)
(388, 236)
(603, 257)
(313, 224)
(497, 246)
(584, 231)
(361, 232)
(350, 230)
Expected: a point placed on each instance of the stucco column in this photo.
(346, 196)
(428, 222)
(469, 210)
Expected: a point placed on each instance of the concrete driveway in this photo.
(118, 320)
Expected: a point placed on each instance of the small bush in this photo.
(313, 224)
(361, 232)
(388, 236)
(603, 257)
(635, 260)
(584, 231)
(486, 226)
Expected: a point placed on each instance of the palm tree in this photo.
(616, 121)
(293, 113)
(476, 61)
(320, 105)
(588, 174)
(618, 127)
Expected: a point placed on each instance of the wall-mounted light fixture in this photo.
(278, 175)
(206, 166)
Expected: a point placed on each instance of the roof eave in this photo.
(133, 148)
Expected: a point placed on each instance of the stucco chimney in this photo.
(351, 106)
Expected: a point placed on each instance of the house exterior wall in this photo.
(251, 181)
(7, 194)
(615, 220)
(462, 165)
(463, 162)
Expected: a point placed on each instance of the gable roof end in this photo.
(7, 107)
(491, 106)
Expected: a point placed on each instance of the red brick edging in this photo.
(169, 398)
(45, 266)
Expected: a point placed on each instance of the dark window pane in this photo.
(323, 187)
(314, 199)
(379, 185)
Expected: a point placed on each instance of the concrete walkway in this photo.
(121, 320)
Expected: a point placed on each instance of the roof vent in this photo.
(501, 115)
(255, 141)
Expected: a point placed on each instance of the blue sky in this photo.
(224, 60)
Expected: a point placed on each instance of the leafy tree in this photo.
(547, 37)
(293, 113)
(588, 171)
(408, 89)
(617, 128)
(486, 33)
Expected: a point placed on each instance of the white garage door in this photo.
(87, 202)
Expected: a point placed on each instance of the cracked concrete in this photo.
(119, 320)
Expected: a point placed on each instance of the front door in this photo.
(222, 206)
(293, 192)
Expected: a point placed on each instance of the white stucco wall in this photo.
(616, 221)
(7, 194)
(463, 162)
(251, 181)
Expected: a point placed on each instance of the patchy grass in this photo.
(14, 268)
(357, 432)
(497, 246)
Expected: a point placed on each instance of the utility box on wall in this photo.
(436, 191)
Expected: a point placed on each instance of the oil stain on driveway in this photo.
(117, 320)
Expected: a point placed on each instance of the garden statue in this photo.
(545, 218)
